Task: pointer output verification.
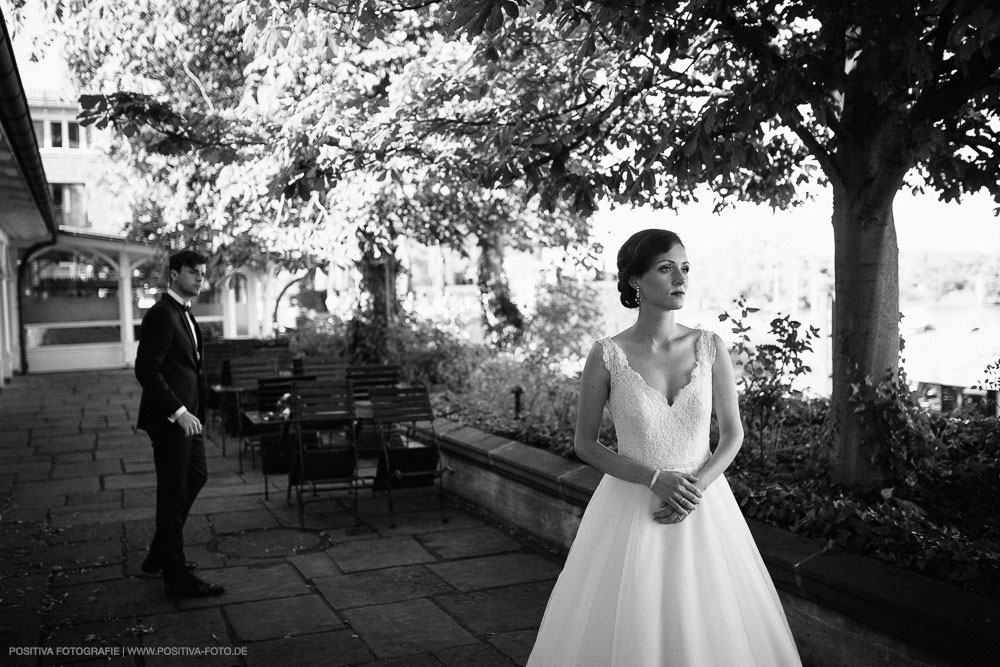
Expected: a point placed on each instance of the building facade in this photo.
(72, 290)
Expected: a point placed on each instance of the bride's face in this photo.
(664, 285)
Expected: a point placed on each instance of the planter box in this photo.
(844, 609)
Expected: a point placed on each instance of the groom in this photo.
(171, 411)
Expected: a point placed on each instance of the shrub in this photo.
(768, 371)
(321, 337)
(899, 425)
(547, 417)
(428, 355)
(890, 529)
(567, 320)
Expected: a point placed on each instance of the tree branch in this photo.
(937, 103)
(815, 146)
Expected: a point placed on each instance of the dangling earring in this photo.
(638, 299)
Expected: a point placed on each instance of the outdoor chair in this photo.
(407, 460)
(326, 458)
(279, 452)
(239, 386)
(362, 379)
(273, 395)
(320, 367)
(216, 355)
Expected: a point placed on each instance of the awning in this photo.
(25, 208)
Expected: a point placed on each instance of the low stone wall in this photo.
(844, 610)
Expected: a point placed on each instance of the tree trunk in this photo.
(502, 319)
(865, 323)
(379, 302)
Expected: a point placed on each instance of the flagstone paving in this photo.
(77, 498)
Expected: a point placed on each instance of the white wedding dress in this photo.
(635, 593)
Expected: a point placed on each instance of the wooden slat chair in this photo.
(326, 457)
(241, 376)
(272, 396)
(217, 354)
(362, 379)
(321, 367)
(404, 461)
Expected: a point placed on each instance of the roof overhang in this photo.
(109, 244)
(25, 208)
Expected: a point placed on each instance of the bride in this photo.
(663, 570)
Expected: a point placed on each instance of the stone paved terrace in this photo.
(77, 499)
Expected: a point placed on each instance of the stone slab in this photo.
(480, 656)
(110, 531)
(407, 628)
(516, 645)
(412, 523)
(380, 586)
(271, 619)
(52, 489)
(467, 542)
(200, 628)
(210, 505)
(73, 457)
(105, 633)
(98, 498)
(130, 481)
(145, 497)
(314, 566)
(499, 610)
(21, 596)
(100, 514)
(119, 598)
(26, 471)
(782, 551)
(947, 618)
(234, 522)
(380, 553)
(79, 555)
(59, 514)
(493, 571)
(275, 543)
(245, 584)
(330, 649)
(137, 465)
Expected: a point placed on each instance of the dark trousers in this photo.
(181, 472)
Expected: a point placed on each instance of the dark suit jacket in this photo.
(168, 367)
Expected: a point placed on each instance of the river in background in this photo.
(950, 342)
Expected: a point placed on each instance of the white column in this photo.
(125, 307)
(255, 299)
(228, 310)
(6, 313)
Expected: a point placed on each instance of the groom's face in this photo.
(188, 281)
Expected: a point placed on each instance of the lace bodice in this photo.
(651, 430)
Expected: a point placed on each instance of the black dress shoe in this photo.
(190, 586)
(152, 565)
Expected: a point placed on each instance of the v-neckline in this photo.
(649, 387)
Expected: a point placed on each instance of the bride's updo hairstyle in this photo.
(636, 257)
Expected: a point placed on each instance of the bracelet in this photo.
(656, 475)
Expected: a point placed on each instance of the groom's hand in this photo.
(190, 424)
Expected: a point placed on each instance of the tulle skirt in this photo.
(635, 593)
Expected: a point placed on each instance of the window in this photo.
(69, 201)
(70, 297)
(57, 134)
(61, 134)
